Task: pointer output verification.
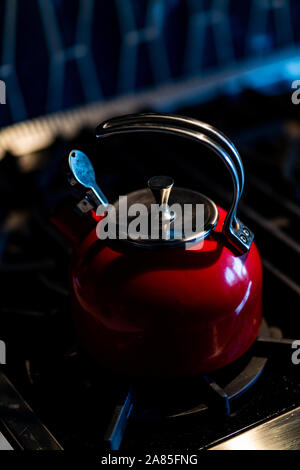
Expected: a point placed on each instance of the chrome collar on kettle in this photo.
(235, 231)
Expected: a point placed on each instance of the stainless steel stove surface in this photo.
(73, 403)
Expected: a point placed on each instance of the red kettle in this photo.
(177, 306)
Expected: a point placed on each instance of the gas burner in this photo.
(158, 398)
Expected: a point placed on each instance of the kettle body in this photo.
(174, 312)
(183, 310)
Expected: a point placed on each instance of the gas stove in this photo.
(52, 394)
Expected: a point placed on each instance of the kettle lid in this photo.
(163, 216)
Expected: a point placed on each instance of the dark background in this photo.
(57, 54)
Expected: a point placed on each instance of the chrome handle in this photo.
(184, 122)
(237, 233)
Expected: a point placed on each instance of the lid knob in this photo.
(161, 188)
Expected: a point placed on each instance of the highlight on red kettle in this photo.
(171, 305)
